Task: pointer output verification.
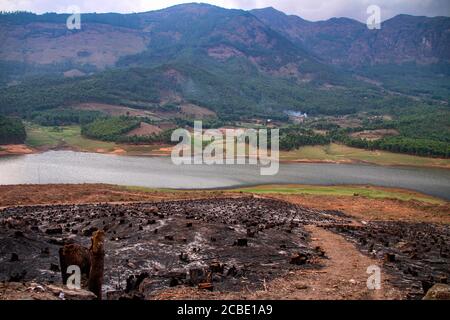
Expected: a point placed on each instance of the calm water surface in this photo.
(79, 167)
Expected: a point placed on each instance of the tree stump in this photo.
(97, 257)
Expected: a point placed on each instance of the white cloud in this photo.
(307, 9)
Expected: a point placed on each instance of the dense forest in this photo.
(419, 147)
(109, 129)
(233, 90)
(294, 137)
(12, 130)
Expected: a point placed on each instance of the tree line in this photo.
(12, 131)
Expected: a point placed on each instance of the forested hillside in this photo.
(12, 130)
(240, 66)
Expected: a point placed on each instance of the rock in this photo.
(443, 279)
(250, 233)
(242, 242)
(176, 277)
(319, 250)
(14, 257)
(301, 287)
(89, 231)
(232, 271)
(134, 282)
(151, 210)
(18, 234)
(54, 267)
(196, 275)
(299, 259)
(56, 230)
(184, 257)
(67, 294)
(216, 267)
(206, 286)
(439, 291)
(389, 257)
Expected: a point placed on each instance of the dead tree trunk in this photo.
(74, 254)
(97, 257)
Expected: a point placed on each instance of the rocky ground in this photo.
(225, 247)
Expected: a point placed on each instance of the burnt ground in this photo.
(237, 243)
(244, 240)
(417, 255)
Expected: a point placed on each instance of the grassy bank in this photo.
(341, 153)
(350, 191)
(370, 192)
(40, 137)
(43, 138)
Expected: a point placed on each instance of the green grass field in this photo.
(363, 191)
(337, 152)
(41, 137)
(68, 136)
(345, 190)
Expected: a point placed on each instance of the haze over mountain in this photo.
(234, 62)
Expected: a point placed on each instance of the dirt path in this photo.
(343, 276)
(345, 269)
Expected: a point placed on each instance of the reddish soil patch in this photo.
(13, 149)
(375, 134)
(375, 209)
(86, 193)
(145, 129)
(196, 111)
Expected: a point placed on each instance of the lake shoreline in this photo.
(159, 172)
(164, 152)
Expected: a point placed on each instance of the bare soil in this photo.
(369, 209)
(15, 149)
(375, 134)
(18, 195)
(145, 129)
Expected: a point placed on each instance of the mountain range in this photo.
(237, 63)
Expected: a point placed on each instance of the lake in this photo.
(157, 172)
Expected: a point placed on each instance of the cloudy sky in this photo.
(308, 9)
